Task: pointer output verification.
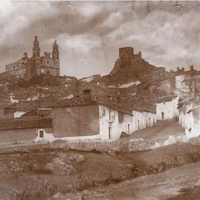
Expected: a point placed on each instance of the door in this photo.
(109, 132)
(163, 115)
(41, 133)
(128, 128)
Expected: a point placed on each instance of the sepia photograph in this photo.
(99, 100)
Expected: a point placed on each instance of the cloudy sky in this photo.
(89, 34)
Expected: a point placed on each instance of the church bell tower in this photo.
(55, 54)
(55, 51)
(36, 48)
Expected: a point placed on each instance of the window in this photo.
(42, 71)
(103, 112)
(111, 116)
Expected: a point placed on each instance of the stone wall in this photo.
(75, 121)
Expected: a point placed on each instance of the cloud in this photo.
(90, 33)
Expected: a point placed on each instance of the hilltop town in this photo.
(84, 136)
(132, 97)
(99, 100)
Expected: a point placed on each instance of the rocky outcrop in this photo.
(132, 67)
(62, 164)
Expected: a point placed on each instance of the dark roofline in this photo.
(143, 110)
(166, 99)
(119, 108)
(116, 107)
(73, 105)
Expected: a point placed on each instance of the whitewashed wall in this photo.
(178, 81)
(169, 109)
(18, 114)
(108, 123)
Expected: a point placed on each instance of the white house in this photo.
(115, 119)
(166, 108)
(91, 120)
(189, 116)
(178, 81)
(143, 119)
(96, 121)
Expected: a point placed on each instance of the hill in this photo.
(132, 67)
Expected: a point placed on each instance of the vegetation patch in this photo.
(187, 193)
(38, 189)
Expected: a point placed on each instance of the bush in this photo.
(40, 190)
(138, 172)
(194, 155)
(83, 183)
(157, 167)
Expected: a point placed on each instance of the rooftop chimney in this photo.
(87, 98)
(178, 69)
(191, 68)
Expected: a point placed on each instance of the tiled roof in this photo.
(165, 99)
(30, 113)
(139, 105)
(13, 124)
(75, 101)
(143, 106)
(121, 108)
(183, 103)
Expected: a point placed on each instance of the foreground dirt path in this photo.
(153, 187)
(162, 130)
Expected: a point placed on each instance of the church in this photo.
(47, 64)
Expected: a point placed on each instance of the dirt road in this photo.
(153, 187)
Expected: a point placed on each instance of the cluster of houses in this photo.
(95, 115)
(82, 118)
(99, 109)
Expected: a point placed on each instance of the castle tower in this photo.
(36, 48)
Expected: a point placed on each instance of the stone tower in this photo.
(36, 48)
(125, 56)
(55, 54)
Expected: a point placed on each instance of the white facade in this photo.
(112, 122)
(189, 119)
(178, 81)
(108, 123)
(18, 114)
(167, 110)
(181, 85)
(143, 119)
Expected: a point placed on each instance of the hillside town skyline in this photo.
(90, 39)
(99, 100)
(47, 54)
